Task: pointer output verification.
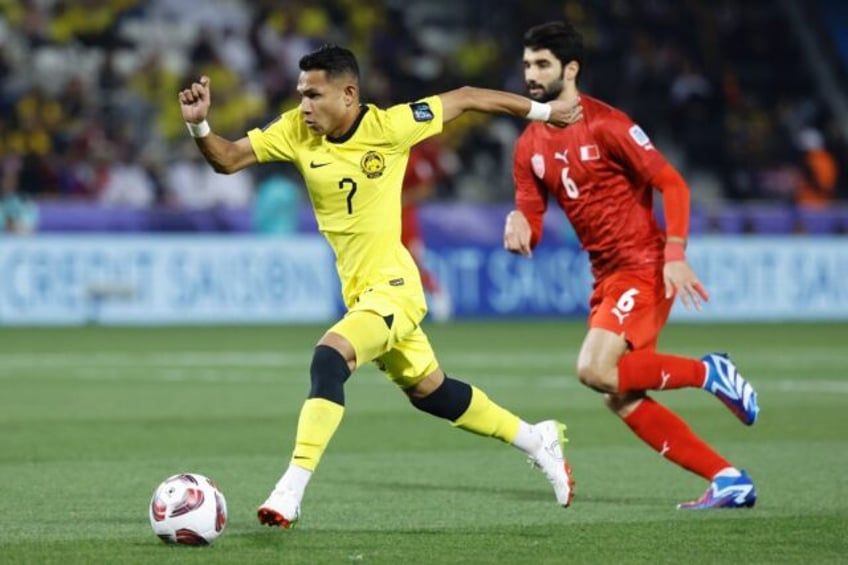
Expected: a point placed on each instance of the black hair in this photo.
(560, 37)
(332, 59)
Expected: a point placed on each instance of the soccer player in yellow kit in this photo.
(353, 158)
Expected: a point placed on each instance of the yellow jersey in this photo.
(354, 183)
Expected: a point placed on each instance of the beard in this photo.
(545, 93)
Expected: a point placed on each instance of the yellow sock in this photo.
(318, 421)
(486, 418)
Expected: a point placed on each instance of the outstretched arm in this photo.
(225, 156)
(556, 112)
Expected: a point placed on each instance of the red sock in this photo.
(667, 433)
(649, 370)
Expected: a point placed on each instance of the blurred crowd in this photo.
(89, 110)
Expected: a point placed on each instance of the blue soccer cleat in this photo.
(725, 492)
(724, 381)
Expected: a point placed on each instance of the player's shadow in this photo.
(510, 493)
(629, 500)
(518, 494)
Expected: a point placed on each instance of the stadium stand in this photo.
(90, 128)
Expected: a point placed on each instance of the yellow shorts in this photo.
(383, 325)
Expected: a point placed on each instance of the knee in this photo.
(622, 404)
(596, 377)
(426, 386)
(449, 400)
(613, 402)
(328, 373)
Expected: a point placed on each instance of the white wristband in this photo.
(539, 112)
(199, 130)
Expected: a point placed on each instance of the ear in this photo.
(571, 70)
(351, 95)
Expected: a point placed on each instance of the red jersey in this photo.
(419, 173)
(599, 170)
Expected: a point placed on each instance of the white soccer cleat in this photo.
(550, 460)
(281, 509)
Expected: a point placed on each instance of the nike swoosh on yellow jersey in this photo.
(314, 165)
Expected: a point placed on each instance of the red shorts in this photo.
(631, 304)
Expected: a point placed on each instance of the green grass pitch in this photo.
(91, 419)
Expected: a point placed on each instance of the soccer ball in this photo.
(188, 509)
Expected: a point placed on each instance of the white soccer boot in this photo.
(550, 460)
(281, 509)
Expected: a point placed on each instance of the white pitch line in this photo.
(816, 386)
(41, 360)
(268, 366)
(471, 359)
(825, 384)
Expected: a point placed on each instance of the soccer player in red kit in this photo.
(602, 171)
(422, 171)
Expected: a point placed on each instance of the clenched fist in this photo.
(195, 101)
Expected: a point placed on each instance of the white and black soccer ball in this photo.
(188, 509)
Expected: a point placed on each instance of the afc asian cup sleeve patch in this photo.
(639, 136)
(421, 111)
